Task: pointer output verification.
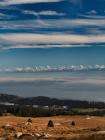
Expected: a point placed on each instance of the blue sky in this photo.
(52, 56)
(52, 35)
(65, 31)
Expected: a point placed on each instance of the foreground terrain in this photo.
(85, 128)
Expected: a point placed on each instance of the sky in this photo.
(51, 39)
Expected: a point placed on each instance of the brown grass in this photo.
(85, 129)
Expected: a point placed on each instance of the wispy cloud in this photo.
(25, 39)
(55, 32)
(54, 23)
(51, 13)
(43, 13)
(94, 80)
(92, 12)
(25, 79)
(10, 47)
(5, 16)
(12, 2)
(2, 15)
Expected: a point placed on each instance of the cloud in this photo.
(2, 48)
(13, 2)
(51, 13)
(93, 17)
(43, 13)
(47, 39)
(4, 16)
(69, 24)
(92, 12)
(25, 79)
(63, 33)
(85, 79)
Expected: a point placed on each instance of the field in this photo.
(85, 128)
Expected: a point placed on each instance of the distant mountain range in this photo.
(49, 68)
(46, 101)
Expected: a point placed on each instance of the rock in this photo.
(57, 124)
(27, 137)
(29, 120)
(46, 135)
(100, 133)
(8, 127)
(18, 134)
(73, 123)
(3, 138)
(37, 134)
(50, 123)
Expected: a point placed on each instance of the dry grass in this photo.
(85, 128)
